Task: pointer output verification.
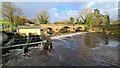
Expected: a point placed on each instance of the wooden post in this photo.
(2, 27)
(26, 46)
(28, 37)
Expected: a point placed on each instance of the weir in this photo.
(20, 46)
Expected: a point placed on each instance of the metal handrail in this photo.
(44, 41)
(26, 40)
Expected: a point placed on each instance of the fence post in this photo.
(2, 27)
(26, 46)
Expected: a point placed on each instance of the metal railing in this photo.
(27, 40)
(24, 44)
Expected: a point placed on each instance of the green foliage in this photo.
(89, 20)
(78, 21)
(117, 33)
(86, 28)
(95, 19)
(9, 11)
(97, 11)
(4, 22)
(81, 22)
(21, 36)
(62, 22)
(107, 24)
(36, 24)
(63, 30)
(72, 20)
(57, 23)
(6, 26)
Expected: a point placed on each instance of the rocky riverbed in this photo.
(78, 49)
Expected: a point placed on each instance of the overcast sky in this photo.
(64, 10)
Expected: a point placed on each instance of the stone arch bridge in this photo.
(57, 27)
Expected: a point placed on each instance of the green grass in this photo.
(4, 22)
(116, 33)
(10, 29)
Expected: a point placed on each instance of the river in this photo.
(78, 49)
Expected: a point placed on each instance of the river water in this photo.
(80, 49)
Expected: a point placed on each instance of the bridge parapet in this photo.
(57, 27)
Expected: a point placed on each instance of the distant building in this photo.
(29, 29)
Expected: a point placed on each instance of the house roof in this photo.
(28, 27)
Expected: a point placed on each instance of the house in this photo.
(29, 29)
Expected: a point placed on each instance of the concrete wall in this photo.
(27, 31)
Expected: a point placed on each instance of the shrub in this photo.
(63, 30)
(36, 24)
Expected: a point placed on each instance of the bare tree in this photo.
(43, 17)
(84, 13)
(9, 11)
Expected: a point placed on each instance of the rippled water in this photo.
(89, 49)
(101, 40)
(97, 47)
(91, 40)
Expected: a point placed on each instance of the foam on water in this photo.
(63, 36)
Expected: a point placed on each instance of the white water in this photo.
(68, 35)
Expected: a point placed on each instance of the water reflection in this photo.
(110, 42)
(97, 40)
(106, 40)
(90, 42)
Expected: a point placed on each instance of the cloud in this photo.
(113, 13)
(64, 10)
(56, 14)
(53, 12)
(54, 9)
(105, 7)
(69, 12)
(65, 14)
(62, 14)
(91, 4)
(102, 3)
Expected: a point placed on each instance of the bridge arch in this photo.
(64, 29)
(78, 29)
(57, 27)
(49, 30)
